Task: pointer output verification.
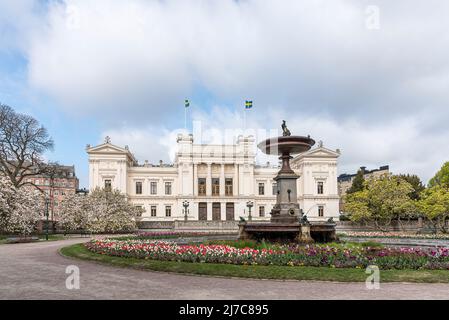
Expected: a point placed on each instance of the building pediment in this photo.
(106, 148)
(109, 148)
(320, 152)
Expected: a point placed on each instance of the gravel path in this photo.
(37, 271)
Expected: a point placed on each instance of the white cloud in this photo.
(399, 144)
(144, 57)
(379, 95)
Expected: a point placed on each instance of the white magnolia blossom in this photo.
(100, 211)
(20, 209)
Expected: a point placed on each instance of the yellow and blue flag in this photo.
(248, 104)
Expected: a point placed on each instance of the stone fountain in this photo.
(288, 223)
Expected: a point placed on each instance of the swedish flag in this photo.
(248, 104)
(186, 103)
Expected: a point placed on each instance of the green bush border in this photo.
(79, 251)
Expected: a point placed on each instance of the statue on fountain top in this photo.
(285, 131)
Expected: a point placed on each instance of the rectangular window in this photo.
(230, 211)
(138, 187)
(216, 211)
(320, 187)
(168, 188)
(201, 187)
(275, 188)
(153, 187)
(56, 192)
(107, 185)
(320, 211)
(215, 186)
(261, 189)
(202, 211)
(153, 211)
(228, 187)
(168, 211)
(261, 211)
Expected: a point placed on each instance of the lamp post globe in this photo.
(185, 204)
(249, 204)
(47, 204)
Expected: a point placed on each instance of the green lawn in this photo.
(259, 272)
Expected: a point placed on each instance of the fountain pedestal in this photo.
(286, 223)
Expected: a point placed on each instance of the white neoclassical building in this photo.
(217, 180)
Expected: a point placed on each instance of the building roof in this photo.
(347, 177)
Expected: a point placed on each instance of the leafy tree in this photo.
(416, 183)
(435, 207)
(382, 200)
(357, 183)
(22, 143)
(441, 177)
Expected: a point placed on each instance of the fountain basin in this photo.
(286, 145)
(288, 232)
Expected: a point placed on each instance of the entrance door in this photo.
(216, 211)
(202, 211)
(230, 211)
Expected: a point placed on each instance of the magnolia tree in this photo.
(100, 211)
(73, 212)
(381, 200)
(20, 209)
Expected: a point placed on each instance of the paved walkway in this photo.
(37, 271)
(401, 242)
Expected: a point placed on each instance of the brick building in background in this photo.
(60, 182)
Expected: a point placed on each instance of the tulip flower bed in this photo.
(338, 256)
(160, 235)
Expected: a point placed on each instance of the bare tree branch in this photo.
(22, 142)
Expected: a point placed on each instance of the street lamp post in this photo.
(249, 204)
(47, 203)
(185, 204)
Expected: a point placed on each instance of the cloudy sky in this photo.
(368, 77)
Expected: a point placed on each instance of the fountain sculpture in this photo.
(287, 223)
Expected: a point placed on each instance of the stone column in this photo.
(209, 211)
(180, 179)
(92, 173)
(195, 179)
(223, 211)
(242, 190)
(222, 180)
(209, 181)
(235, 182)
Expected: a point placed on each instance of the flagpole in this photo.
(185, 118)
(244, 121)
